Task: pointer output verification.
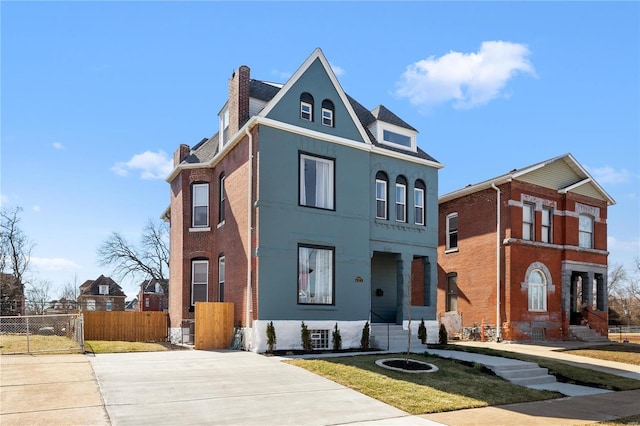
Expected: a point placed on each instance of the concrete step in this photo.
(586, 334)
(524, 374)
(533, 371)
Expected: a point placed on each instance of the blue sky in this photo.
(96, 96)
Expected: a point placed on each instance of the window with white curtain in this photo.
(315, 274)
(381, 195)
(586, 231)
(401, 199)
(316, 182)
(418, 202)
(537, 284)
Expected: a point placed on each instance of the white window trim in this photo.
(546, 231)
(381, 126)
(448, 236)
(103, 287)
(332, 173)
(399, 203)
(583, 232)
(531, 225)
(416, 191)
(194, 205)
(531, 285)
(222, 199)
(303, 112)
(221, 276)
(329, 118)
(386, 207)
(206, 283)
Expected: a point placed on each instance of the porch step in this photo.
(524, 374)
(586, 334)
(395, 338)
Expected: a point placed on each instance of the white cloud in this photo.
(54, 264)
(467, 79)
(337, 69)
(282, 75)
(36, 208)
(4, 199)
(152, 165)
(58, 145)
(608, 174)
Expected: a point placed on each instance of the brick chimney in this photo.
(181, 153)
(238, 99)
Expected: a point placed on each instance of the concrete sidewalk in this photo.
(49, 390)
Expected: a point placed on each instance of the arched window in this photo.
(327, 113)
(586, 231)
(419, 202)
(537, 284)
(401, 199)
(382, 183)
(306, 106)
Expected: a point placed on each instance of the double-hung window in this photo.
(199, 281)
(546, 227)
(401, 199)
(306, 107)
(381, 195)
(327, 113)
(221, 273)
(451, 303)
(103, 289)
(317, 182)
(418, 202)
(200, 202)
(221, 204)
(315, 274)
(537, 284)
(452, 231)
(528, 212)
(586, 231)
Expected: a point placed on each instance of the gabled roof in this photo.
(316, 55)
(92, 288)
(383, 114)
(149, 286)
(563, 174)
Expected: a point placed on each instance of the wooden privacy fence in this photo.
(126, 326)
(214, 325)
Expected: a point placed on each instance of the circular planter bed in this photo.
(406, 365)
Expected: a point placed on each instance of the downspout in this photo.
(249, 238)
(498, 321)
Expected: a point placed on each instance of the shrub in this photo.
(364, 341)
(442, 335)
(337, 339)
(422, 332)
(305, 335)
(271, 337)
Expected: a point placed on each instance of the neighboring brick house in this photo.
(12, 300)
(152, 296)
(102, 294)
(304, 206)
(551, 252)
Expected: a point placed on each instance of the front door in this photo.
(383, 288)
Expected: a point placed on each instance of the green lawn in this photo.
(454, 386)
(627, 353)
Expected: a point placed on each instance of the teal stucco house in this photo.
(304, 206)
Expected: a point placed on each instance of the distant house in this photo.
(152, 296)
(62, 306)
(11, 296)
(103, 294)
(131, 305)
(527, 251)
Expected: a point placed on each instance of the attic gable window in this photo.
(103, 289)
(394, 136)
(327, 113)
(306, 106)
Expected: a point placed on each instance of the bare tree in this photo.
(617, 280)
(39, 296)
(149, 259)
(15, 254)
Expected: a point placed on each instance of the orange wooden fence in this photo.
(214, 325)
(126, 326)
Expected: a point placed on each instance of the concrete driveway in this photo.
(229, 388)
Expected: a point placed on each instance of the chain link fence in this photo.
(41, 334)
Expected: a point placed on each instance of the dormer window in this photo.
(306, 107)
(394, 136)
(327, 113)
(224, 125)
